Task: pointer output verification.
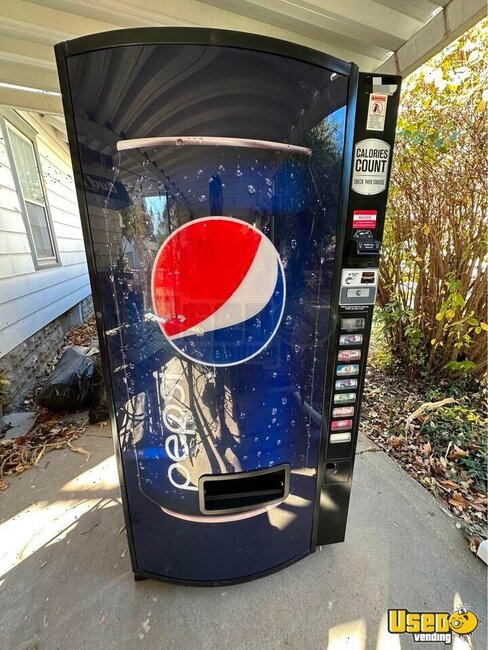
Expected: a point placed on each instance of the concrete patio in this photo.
(66, 582)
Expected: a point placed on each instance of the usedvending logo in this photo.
(427, 627)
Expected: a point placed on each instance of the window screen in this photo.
(26, 167)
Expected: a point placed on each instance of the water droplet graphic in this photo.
(269, 182)
(238, 173)
(274, 411)
(202, 198)
(288, 320)
(199, 172)
(251, 189)
(284, 400)
(293, 243)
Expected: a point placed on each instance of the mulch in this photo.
(394, 414)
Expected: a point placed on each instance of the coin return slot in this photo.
(224, 494)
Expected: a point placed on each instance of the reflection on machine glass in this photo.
(212, 178)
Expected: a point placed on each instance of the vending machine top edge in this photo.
(232, 192)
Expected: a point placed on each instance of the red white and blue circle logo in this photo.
(218, 289)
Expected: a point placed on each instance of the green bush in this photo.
(432, 292)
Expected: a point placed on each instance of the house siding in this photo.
(31, 299)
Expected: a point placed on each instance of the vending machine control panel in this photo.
(374, 134)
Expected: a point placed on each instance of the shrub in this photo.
(433, 281)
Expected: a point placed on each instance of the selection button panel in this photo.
(349, 355)
(343, 436)
(350, 339)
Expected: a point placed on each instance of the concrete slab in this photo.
(66, 582)
(18, 424)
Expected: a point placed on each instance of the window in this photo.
(32, 196)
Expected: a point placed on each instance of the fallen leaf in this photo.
(102, 619)
(458, 501)
(479, 507)
(456, 452)
(448, 484)
(396, 441)
(80, 450)
(427, 448)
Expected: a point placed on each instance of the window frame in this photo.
(11, 121)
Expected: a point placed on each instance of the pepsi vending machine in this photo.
(232, 190)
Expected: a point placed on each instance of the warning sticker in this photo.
(370, 169)
(364, 219)
(376, 112)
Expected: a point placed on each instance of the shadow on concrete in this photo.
(66, 580)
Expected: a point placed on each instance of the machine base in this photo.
(140, 574)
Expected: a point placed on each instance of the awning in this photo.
(391, 36)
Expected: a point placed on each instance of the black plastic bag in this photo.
(76, 382)
(99, 410)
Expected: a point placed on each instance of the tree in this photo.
(434, 271)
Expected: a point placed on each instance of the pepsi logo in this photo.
(218, 289)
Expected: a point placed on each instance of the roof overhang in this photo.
(389, 36)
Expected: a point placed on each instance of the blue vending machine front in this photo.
(213, 171)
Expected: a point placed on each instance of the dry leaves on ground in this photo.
(396, 415)
(82, 334)
(50, 432)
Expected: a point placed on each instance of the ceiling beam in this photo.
(20, 74)
(15, 50)
(197, 13)
(447, 25)
(44, 24)
(29, 101)
(349, 41)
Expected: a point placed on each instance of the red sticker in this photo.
(340, 424)
(364, 219)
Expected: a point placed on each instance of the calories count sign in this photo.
(370, 167)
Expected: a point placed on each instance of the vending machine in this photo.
(232, 190)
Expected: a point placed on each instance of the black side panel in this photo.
(374, 135)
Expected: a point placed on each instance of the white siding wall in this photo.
(31, 299)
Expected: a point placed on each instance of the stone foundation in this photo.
(26, 364)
